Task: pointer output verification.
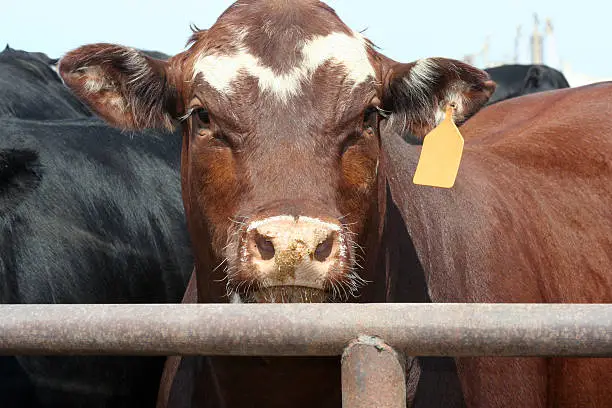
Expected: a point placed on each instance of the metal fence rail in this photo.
(307, 329)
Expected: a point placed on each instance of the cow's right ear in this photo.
(125, 87)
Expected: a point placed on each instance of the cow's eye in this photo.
(202, 117)
(203, 128)
(370, 119)
(368, 125)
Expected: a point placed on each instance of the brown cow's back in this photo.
(551, 156)
(528, 220)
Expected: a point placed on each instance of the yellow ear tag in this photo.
(440, 155)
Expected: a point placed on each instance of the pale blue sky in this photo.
(405, 30)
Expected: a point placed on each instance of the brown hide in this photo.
(528, 220)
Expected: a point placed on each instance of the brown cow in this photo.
(529, 220)
(296, 182)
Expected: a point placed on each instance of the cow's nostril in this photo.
(324, 248)
(264, 246)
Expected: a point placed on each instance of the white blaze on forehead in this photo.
(350, 52)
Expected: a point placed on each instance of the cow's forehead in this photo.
(221, 71)
(281, 64)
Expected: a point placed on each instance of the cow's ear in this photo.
(125, 87)
(534, 77)
(416, 94)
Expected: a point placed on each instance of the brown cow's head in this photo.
(280, 106)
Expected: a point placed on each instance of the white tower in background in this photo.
(551, 56)
(517, 45)
(536, 42)
(485, 52)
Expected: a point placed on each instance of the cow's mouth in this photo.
(286, 294)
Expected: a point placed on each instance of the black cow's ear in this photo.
(416, 94)
(534, 77)
(124, 86)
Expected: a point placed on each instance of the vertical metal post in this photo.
(373, 375)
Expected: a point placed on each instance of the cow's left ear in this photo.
(416, 94)
(124, 86)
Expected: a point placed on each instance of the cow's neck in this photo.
(414, 213)
(405, 278)
(405, 260)
(450, 229)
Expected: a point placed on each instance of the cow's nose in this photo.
(319, 247)
(294, 251)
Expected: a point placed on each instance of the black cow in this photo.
(30, 88)
(516, 80)
(88, 214)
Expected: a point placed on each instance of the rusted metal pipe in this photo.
(307, 329)
(373, 375)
